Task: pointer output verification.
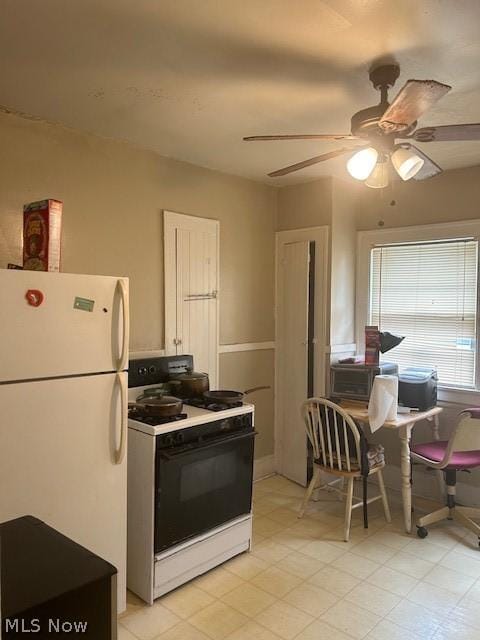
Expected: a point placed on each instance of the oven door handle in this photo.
(174, 456)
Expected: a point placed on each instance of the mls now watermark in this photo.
(52, 625)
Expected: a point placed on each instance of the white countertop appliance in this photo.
(189, 485)
(63, 403)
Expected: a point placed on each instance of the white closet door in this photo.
(191, 290)
(293, 354)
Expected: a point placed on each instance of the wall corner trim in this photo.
(263, 467)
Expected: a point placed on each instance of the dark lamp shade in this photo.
(389, 341)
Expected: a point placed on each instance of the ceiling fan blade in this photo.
(411, 102)
(448, 133)
(308, 163)
(430, 168)
(305, 136)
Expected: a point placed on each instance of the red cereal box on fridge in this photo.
(42, 225)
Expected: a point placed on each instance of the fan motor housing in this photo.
(364, 123)
(384, 76)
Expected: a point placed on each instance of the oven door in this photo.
(203, 487)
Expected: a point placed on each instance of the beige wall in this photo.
(244, 371)
(113, 197)
(305, 205)
(348, 207)
(331, 202)
(343, 256)
(450, 197)
(454, 195)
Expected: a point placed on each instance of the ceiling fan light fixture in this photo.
(407, 164)
(362, 163)
(378, 179)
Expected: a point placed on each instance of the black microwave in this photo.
(355, 381)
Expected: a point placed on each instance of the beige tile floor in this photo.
(302, 582)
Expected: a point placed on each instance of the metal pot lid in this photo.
(162, 401)
(190, 375)
(155, 392)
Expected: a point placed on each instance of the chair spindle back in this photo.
(333, 434)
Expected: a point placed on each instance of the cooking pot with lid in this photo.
(190, 384)
(160, 407)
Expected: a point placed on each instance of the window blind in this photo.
(427, 292)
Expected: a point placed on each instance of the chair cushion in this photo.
(435, 451)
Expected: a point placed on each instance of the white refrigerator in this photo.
(63, 407)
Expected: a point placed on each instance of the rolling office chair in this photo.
(459, 453)
(340, 449)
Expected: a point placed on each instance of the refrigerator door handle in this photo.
(123, 360)
(120, 452)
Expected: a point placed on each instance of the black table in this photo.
(52, 587)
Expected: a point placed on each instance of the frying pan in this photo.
(229, 397)
(160, 407)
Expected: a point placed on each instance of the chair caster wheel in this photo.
(422, 532)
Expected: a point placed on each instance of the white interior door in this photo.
(58, 440)
(191, 290)
(300, 362)
(292, 319)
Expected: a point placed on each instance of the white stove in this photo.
(189, 487)
(194, 415)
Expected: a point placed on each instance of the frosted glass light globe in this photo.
(378, 179)
(407, 164)
(361, 164)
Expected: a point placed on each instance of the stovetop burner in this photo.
(211, 406)
(216, 406)
(154, 421)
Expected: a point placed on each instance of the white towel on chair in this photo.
(383, 401)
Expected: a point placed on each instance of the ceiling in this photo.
(189, 78)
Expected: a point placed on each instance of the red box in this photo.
(372, 344)
(42, 226)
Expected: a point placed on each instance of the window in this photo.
(427, 292)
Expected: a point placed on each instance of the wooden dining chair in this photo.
(341, 450)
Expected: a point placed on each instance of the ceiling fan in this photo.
(381, 126)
